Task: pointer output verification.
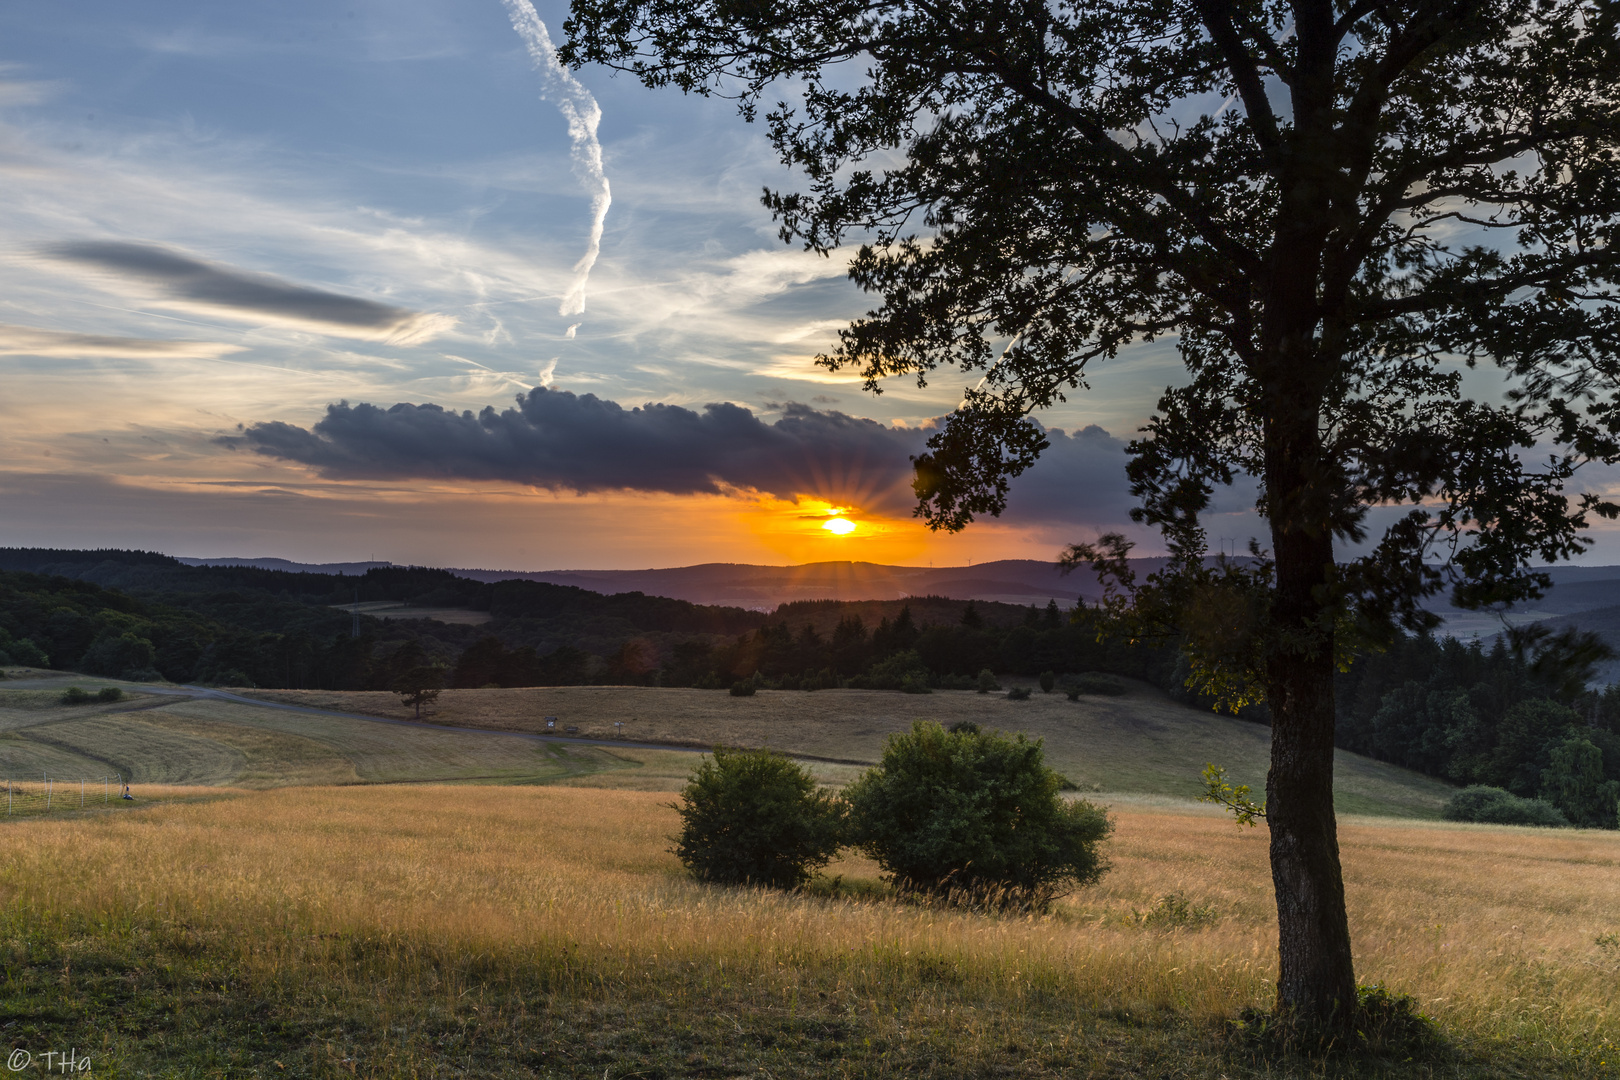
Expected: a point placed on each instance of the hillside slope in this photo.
(1143, 742)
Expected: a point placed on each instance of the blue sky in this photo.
(221, 216)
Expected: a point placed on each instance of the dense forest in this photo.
(1517, 716)
(140, 615)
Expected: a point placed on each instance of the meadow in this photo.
(384, 931)
(1141, 742)
(155, 739)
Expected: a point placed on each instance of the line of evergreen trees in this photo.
(892, 654)
(1516, 716)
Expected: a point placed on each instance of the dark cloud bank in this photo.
(182, 277)
(562, 441)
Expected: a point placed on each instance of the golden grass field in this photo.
(522, 931)
(1141, 742)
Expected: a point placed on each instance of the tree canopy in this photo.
(1380, 232)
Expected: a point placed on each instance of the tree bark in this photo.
(1316, 975)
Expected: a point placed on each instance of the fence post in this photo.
(47, 793)
(81, 794)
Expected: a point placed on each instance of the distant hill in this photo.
(288, 565)
(1007, 581)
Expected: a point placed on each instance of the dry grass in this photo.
(558, 910)
(1142, 742)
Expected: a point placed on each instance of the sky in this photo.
(331, 282)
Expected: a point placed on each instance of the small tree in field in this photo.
(975, 816)
(754, 817)
(1334, 208)
(1575, 783)
(419, 685)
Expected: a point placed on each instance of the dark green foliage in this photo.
(902, 671)
(1494, 806)
(987, 681)
(1018, 693)
(755, 817)
(110, 693)
(1385, 1025)
(416, 679)
(21, 651)
(1573, 781)
(1392, 1023)
(240, 626)
(1493, 717)
(974, 817)
(1092, 682)
(76, 695)
(743, 688)
(1048, 680)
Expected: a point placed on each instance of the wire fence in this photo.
(51, 794)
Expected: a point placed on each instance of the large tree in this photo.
(1380, 232)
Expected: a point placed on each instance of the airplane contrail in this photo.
(583, 114)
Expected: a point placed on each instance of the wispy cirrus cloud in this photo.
(584, 115)
(188, 281)
(36, 341)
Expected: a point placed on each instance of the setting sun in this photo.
(841, 526)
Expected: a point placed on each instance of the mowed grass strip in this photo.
(1141, 742)
(498, 931)
(157, 740)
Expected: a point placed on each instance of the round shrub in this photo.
(742, 688)
(76, 695)
(987, 681)
(975, 818)
(110, 693)
(1018, 693)
(1048, 680)
(1095, 682)
(753, 817)
(1494, 806)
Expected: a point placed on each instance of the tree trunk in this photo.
(1316, 977)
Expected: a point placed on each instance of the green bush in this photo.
(755, 817)
(1095, 682)
(987, 681)
(975, 818)
(22, 651)
(904, 671)
(742, 688)
(1495, 806)
(76, 695)
(109, 693)
(1018, 693)
(1048, 680)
